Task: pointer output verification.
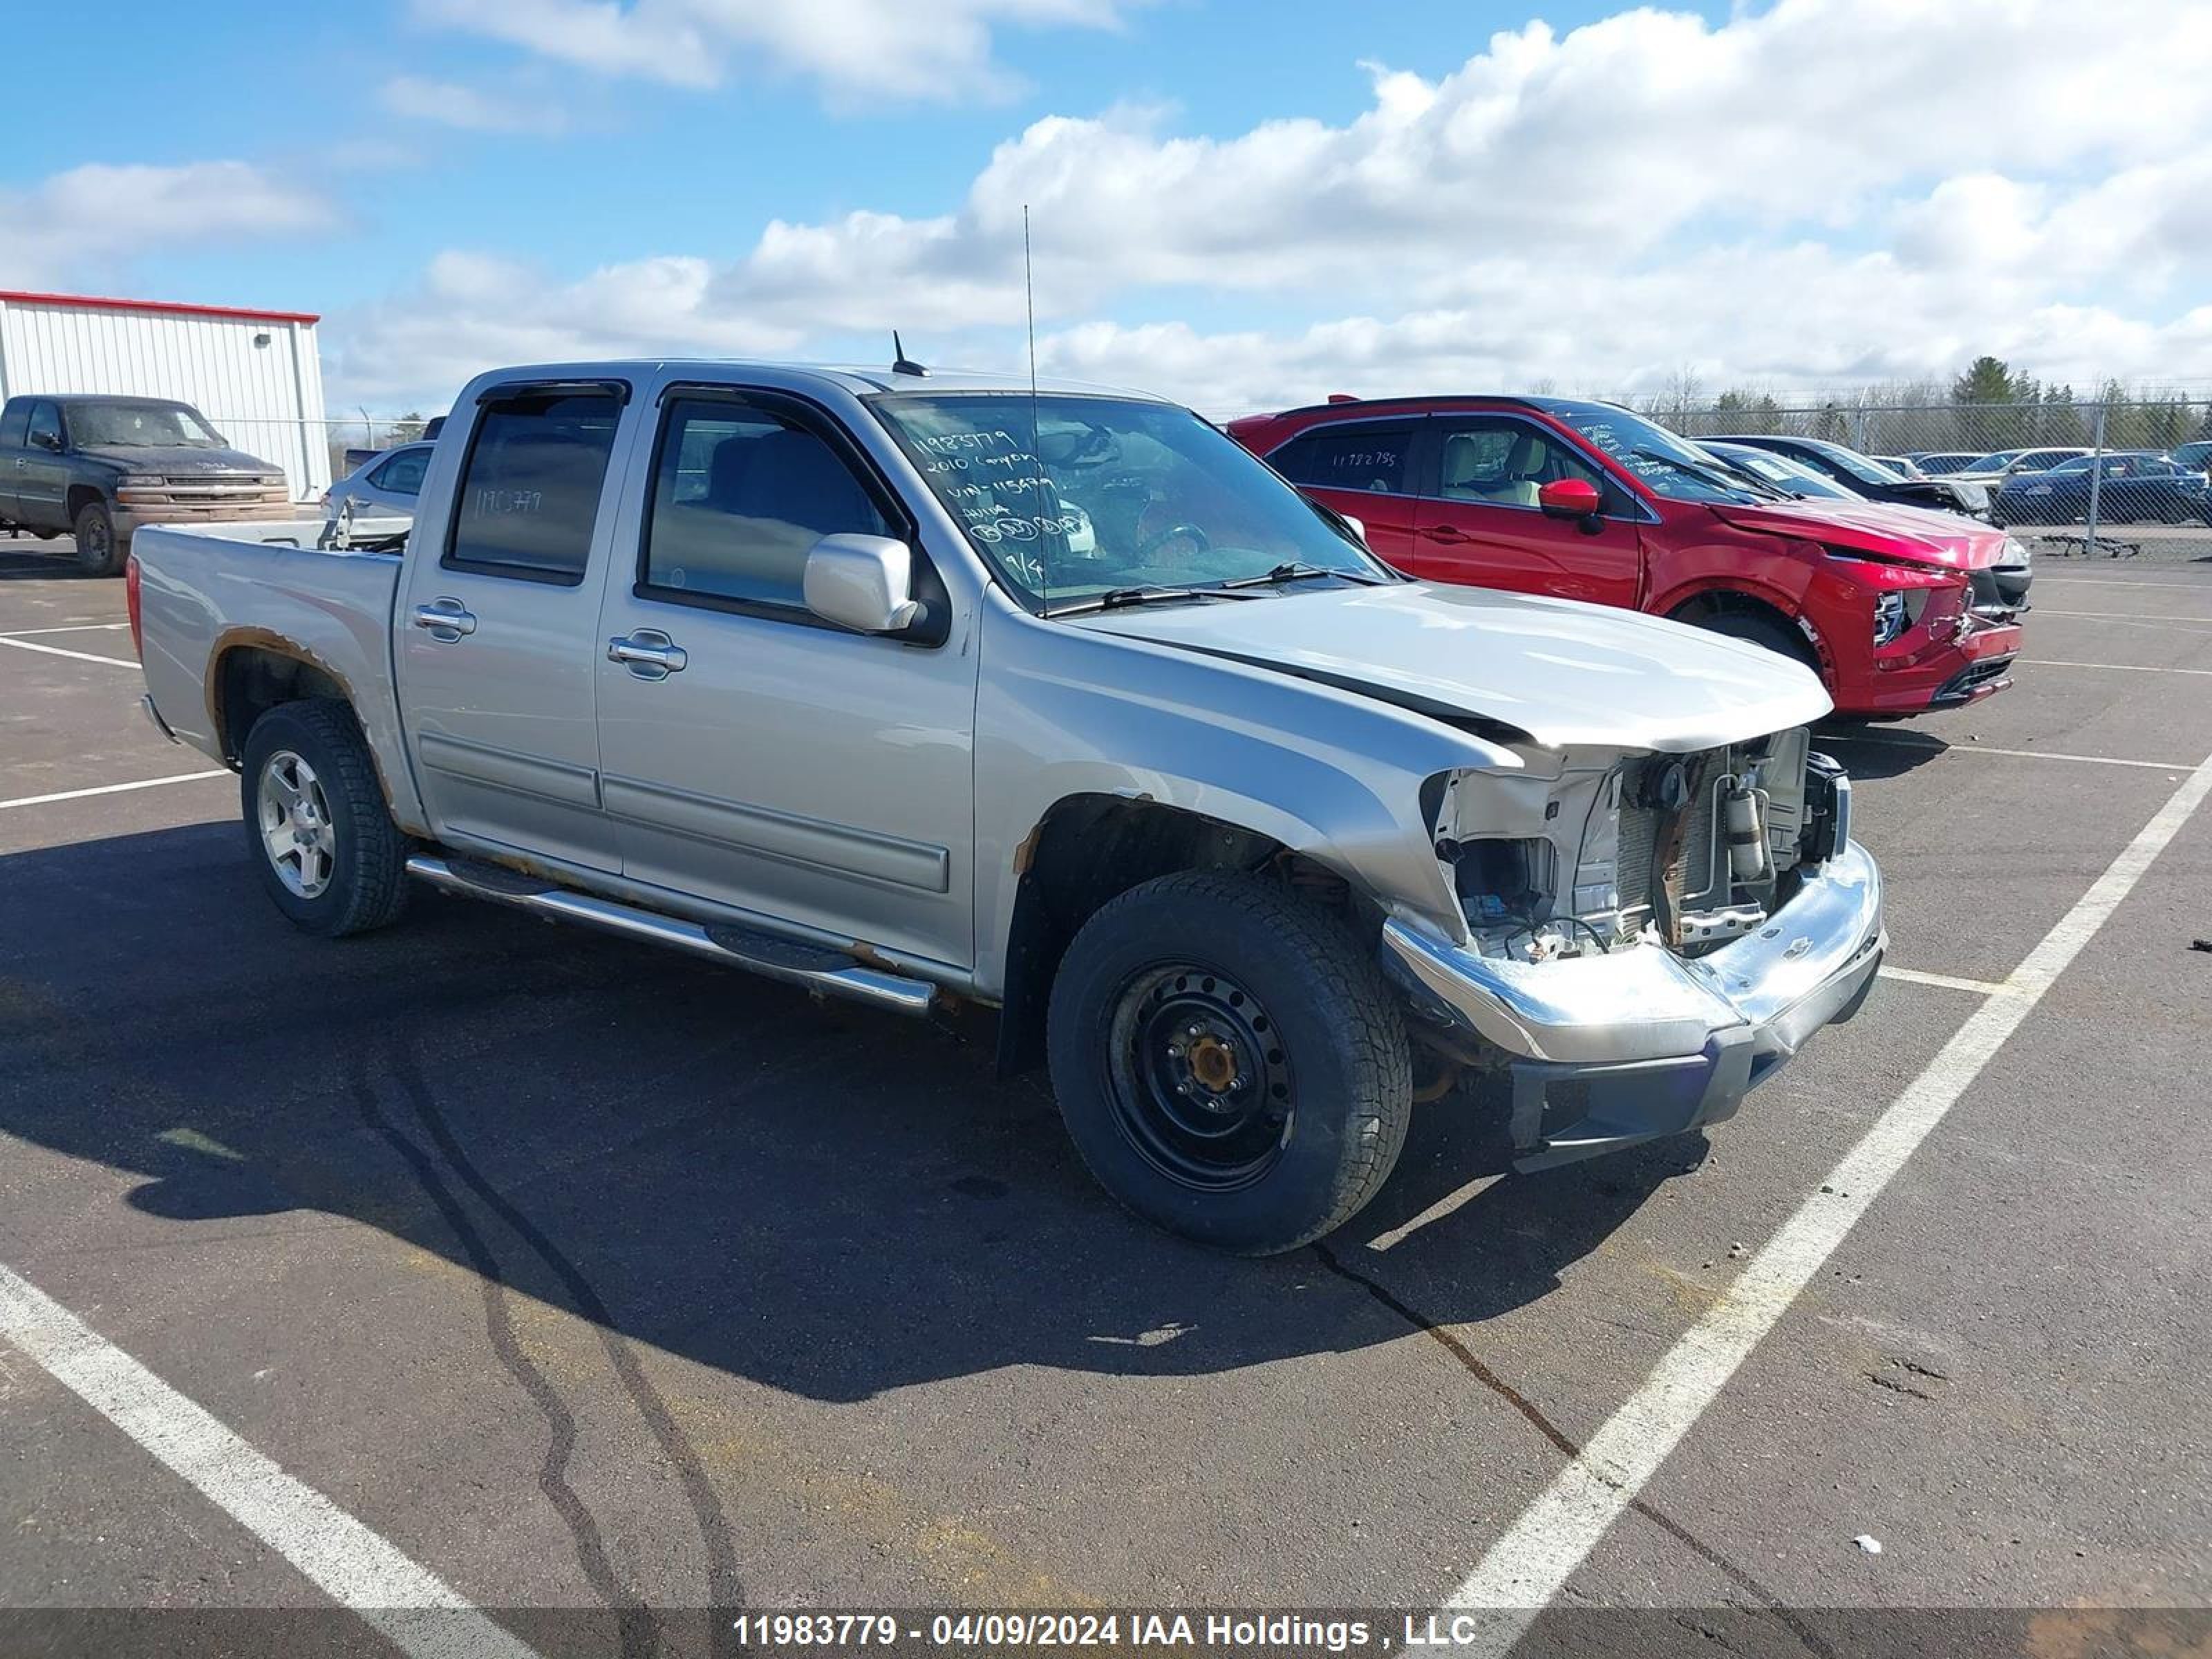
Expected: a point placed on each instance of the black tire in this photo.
(363, 883)
(98, 551)
(1777, 636)
(1318, 1086)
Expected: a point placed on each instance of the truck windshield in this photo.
(1081, 500)
(140, 426)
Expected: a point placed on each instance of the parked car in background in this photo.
(802, 671)
(2132, 486)
(1903, 465)
(2196, 456)
(1779, 472)
(99, 467)
(385, 485)
(1898, 611)
(1942, 463)
(1990, 471)
(1868, 476)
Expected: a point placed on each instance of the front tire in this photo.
(1228, 1061)
(1777, 636)
(99, 553)
(316, 825)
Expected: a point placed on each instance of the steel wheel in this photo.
(1199, 1078)
(296, 831)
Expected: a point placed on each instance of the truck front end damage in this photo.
(1647, 937)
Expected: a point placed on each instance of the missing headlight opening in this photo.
(1683, 851)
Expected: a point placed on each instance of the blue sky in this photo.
(1593, 200)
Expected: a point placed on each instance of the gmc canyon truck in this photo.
(99, 467)
(923, 689)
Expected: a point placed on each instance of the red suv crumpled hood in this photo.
(1909, 533)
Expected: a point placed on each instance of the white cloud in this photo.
(1824, 190)
(939, 53)
(81, 224)
(472, 109)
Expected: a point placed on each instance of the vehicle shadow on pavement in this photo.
(1869, 749)
(823, 1199)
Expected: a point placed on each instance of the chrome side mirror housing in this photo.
(865, 583)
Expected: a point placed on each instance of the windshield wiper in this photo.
(1117, 598)
(1295, 571)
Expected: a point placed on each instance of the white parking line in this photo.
(57, 651)
(1986, 988)
(2017, 754)
(65, 628)
(1457, 1199)
(2046, 581)
(1435, 1212)
(1532, 1562)
(108, 789)
(2110, 668)
(2119, 615)
(415, 1609)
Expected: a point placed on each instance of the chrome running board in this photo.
(813, 967)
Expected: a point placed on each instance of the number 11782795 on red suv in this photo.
(1899, 609)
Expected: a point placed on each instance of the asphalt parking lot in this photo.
(580, 1276)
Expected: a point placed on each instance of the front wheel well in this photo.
(80, 497)
(1088, 851)
(1703, 610)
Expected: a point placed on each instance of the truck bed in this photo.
(207, 591)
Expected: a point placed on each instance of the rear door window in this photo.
(1370, 455)
(402, 474)
(531, 488)
(14, 425)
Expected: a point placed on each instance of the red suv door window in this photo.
(1363, 469)
(1479, 521)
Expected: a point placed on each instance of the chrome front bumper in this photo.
(1607, 1051)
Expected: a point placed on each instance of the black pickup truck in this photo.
(102, 466)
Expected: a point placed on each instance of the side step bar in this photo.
(815, 967)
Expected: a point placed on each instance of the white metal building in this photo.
(255, 374)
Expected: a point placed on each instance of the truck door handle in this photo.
(1444, 532)
(649, 653)
(446, 619)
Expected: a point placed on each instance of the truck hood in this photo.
(1565, 673)
(1912, 534)
(176, 459)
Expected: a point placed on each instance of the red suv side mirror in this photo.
(1570, 498)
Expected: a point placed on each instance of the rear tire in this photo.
(1228, 1061)
(316, 825)
(98, 551)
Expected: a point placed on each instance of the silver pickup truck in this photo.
(925, 689)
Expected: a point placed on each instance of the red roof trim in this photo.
(169, 307)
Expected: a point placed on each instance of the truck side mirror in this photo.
(47, 440)
(865, 583)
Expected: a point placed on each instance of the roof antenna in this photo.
(900, 363)
(1037, 436)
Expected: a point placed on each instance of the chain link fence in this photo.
(2123, 475)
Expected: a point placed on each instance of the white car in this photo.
(384, 486)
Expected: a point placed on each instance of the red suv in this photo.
(1899, 609)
